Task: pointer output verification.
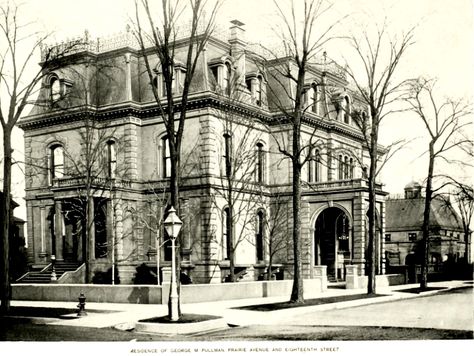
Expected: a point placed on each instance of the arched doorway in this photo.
(332, 242)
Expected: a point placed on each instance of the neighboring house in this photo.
(403, 235)
(18, 262)
(106, 83)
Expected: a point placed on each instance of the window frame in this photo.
(226, 233)
(111, 158)
(165, 157)
(260, 163)
(54, 172)
(260, 236)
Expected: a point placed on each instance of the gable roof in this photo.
(407, 214)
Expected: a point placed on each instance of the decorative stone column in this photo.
(352, 277)
(359, 232)
(58, 230)
(320, 272)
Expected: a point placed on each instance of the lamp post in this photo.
(173, 225)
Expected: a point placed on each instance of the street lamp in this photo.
(173, 225)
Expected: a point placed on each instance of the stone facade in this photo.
(106, 118)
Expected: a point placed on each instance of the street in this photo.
(451, 310)
(446, 315)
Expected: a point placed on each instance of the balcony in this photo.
(348, 184)
(97, 182)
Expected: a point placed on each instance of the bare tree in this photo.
(302, 42)
(379, 89)
(159, 31)
(238, 187)
(19, 79)
(445, 122)
(275, 236)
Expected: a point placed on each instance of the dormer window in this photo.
(346, 110)
(311, 98)
(159, 82)
(227, 79)
(256, 85)
(221, 77)
(58, 88)
(55, 89)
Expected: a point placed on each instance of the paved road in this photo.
(451, 310)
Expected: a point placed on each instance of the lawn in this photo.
(308, 302)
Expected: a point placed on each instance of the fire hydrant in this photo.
(82, 305)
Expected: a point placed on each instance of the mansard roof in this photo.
(407, 214)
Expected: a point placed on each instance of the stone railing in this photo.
(105, 183)
(346, 183)
(124, 39)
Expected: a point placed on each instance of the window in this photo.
(388, 237)
(165, 157)
(228, 154)
(314, 167)
(226, 234)
(55, 89)
(227, 79)
(346, 167)
(111, 159)
(346, 109)
(340, 172)
(57, 162)
(260, 169)
(259, 244)
(258, 91)
(351, 168)
(412, 236)
(315, 103)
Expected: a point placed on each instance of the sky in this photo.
(444, 49)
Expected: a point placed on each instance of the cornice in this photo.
(151, 110)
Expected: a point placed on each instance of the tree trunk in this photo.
(297, 291)
(371, 250)
(5, 217)
(426, 220)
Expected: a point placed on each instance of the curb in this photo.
(181, 328)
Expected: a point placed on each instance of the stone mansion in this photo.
(96, 135)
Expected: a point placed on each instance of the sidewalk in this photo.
(129, 314)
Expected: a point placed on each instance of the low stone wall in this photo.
(146, 294)
(135, 294)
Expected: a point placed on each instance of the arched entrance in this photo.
(332, 242)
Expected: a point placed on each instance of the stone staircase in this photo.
(44, 275)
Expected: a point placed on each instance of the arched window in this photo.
(111, 159)
(351, 168)
(315, 99)
(55, 89)
(165, 157)
(260, 163)
(259, 238)
(228, 154)
(227, 78)
(258, 90)
(346, 167)
(314, 167)
(346, 110)
(226, 234)
(340, 173)
(57, 162)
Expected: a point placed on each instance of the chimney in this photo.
(237, 37)
(237, 49)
